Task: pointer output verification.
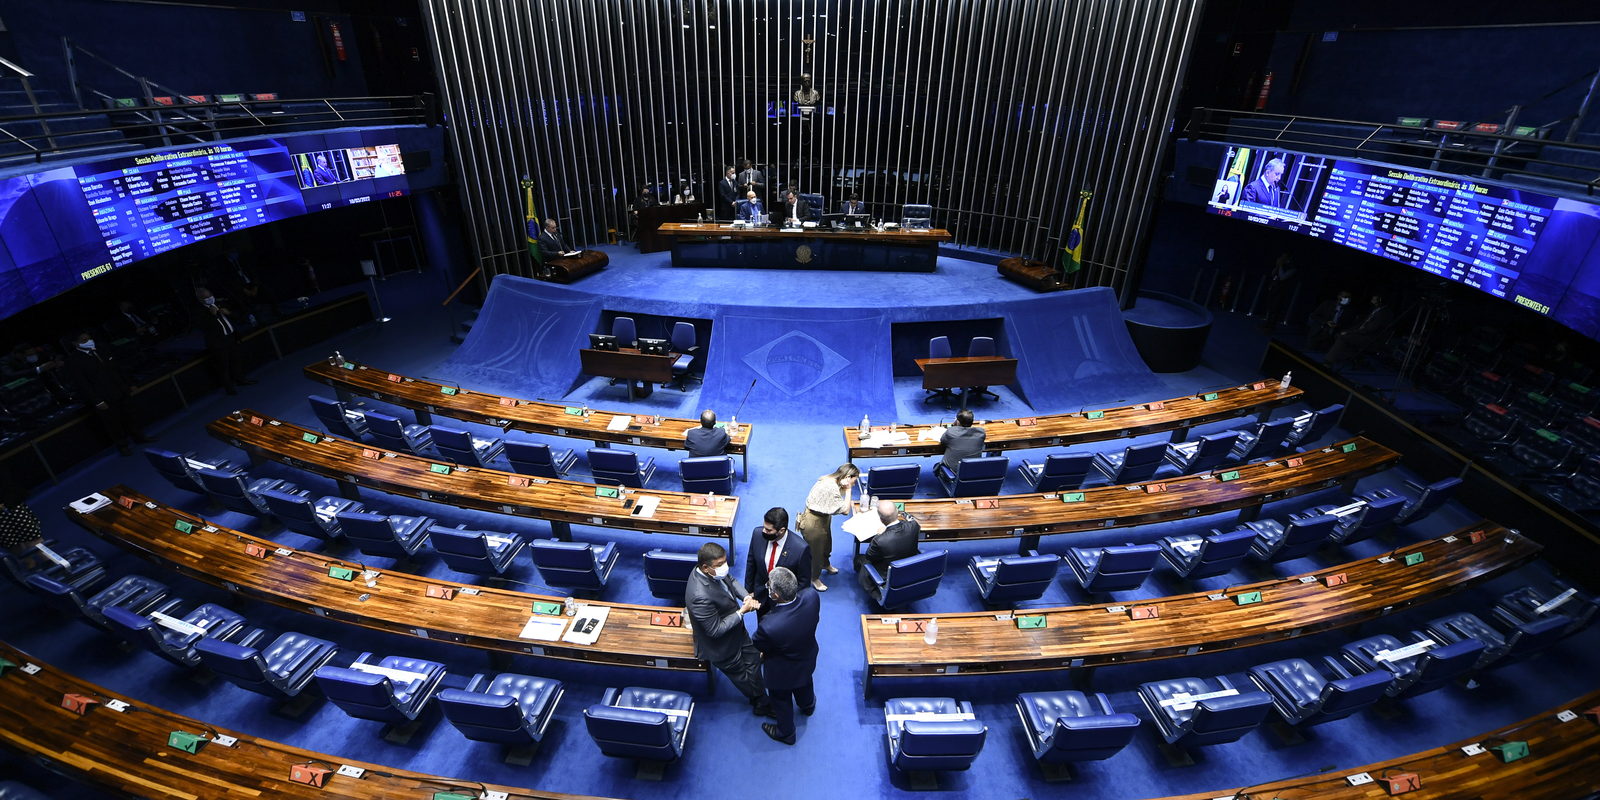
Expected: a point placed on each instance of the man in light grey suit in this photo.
(717, 604)
(961, 440)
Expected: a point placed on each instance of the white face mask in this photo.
(685, 192)
(33, 359)
(210, 301)
(721, 572)
(89, 345)
(1344, 301)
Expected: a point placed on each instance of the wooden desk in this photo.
(722, 245)
(427, 398)
(628, 364)
(1085, 637)
(490, 620)
(567, 270)
(1177, 415)
(1031, 515)
(1563, 762)
(652, 240)
(559, 502)
(966, 372)
(126, 752)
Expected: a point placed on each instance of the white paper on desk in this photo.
(619, 422)
(931, 434)
(541, 628)
(596, 613)
(90, 504)
(896, 439)
(646, 506)
(864, 526)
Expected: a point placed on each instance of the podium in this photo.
(567, 270)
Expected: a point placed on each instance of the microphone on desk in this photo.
(746, 396)
(443, 380)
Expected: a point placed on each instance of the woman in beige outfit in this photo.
(831, 494)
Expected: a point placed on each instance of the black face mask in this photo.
(771, 537)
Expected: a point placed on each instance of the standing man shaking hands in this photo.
(717, 604)
(787, 639)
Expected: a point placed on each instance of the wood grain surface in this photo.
(126, 752)
(950, 519)
(398, 603)
(1091, 636)
(691, 230)
(1179, 413)
(468, 487)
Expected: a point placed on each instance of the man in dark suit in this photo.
(222, 341)
(1372, 329)
(1264, 189)
(961, 440)
(853, 205)
(551, 243)
(717, 603)
(798, 211)
(772, 546)
(708, 439)
(1333, 316)
(102, 385)
(898, 540)
(728, 189)
(130, 324)
(787, 639)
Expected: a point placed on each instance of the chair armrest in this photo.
(1338, 667)
(253, 638)
(872, 573)
(1105, 704)
(1414, 485)
(167, 607)
(478, 683)
(1032, 554)
(1223, 679)
(363, 658)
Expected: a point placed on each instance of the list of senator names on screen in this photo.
(153, 208)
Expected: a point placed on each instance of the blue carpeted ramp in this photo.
(1074, 350)
(525, 342)
(809, 364)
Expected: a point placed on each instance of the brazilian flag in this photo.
(533, 223)
(1072, 254)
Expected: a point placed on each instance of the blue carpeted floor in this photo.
(843, 745)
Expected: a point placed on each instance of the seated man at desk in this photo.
(961, 440)
(853, 205)
(751, 208)
(898, 540)
(798, 210)
(553, 244)
(708, 439)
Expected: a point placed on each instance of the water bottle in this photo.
(572, 608)
(252, 319)
(930, 634)
(1284, 384)
(866, 427)
(333, 360)
(586, 413)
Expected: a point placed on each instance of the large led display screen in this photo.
(1530, 248)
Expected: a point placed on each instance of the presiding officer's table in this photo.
(561, 503)
(966, 372)
(628, 364)
(487, 618)
(1177, 415)
(427, 398)
(1089, 636)
(723, 245)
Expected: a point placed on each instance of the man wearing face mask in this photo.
(28, 361)
(104, 387)
(1331, 317)
(787, 639)
(222, 341)
(717, 603)
(772, 546)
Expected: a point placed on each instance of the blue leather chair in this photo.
(713, 474)
(539, 460)
(475, 552)
(1309, 428)
(1205, 453)
(1408, 677)
(83, 569)
(511, 710)
(389, 432)
(391, 537)
(464, 448)
(1112, 569)
(1266, 440)
(1218, 720)
(816, 204)
(1523, 605)
(1358, 521)
(180, 470)
(1061, 472)
(237, 493)
(939, 347)
(687, 346)
(1137, 463)
(974, 477)
(612, 467)
(396, 700)
(667, 574)
(1524, 641)
(339, 420)
(1014, 578)
(908, 580)
(625, 331)
(282, 671)
(178, 646)
(574, 564)
(1277, 542)
(916, 215)
(644, 724)
(135, 593)
(932, 734)
(1427, 499)
(12, 790)
(981, 346)
(894, 482)
(1066, 727)
(297, 513)
(1194, 557)
(1303, 697)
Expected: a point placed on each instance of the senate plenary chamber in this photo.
(799, 399)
